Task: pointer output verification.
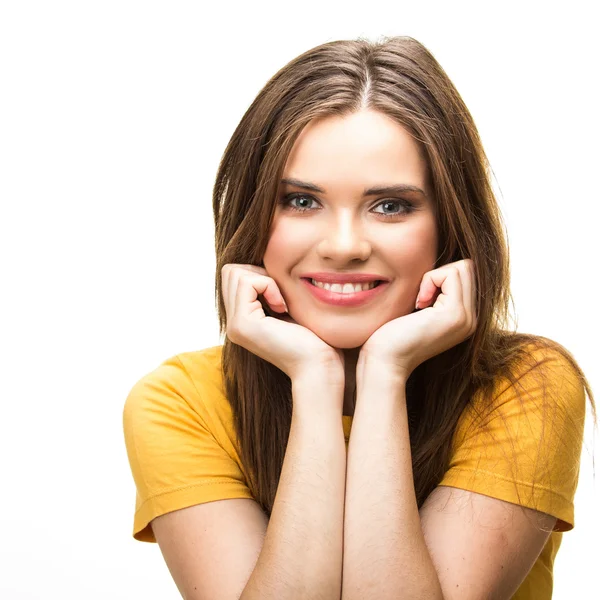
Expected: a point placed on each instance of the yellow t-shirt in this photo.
(179, 437)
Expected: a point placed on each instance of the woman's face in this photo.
(387, 234)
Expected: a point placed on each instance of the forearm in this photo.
(384, 554)
(302, 552)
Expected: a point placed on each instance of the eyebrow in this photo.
(373, 191)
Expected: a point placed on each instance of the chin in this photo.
(341, 337)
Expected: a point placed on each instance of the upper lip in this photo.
(344, 277)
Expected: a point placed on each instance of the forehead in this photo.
(363, 147)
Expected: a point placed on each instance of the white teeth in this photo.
(345, 288)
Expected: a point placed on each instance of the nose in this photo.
(344, 241)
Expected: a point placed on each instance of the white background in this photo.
(113, 117)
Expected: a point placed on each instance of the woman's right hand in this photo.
(292, 348)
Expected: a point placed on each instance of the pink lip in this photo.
(337, 299)
(344, 277)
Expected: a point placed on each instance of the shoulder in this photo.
(203, 367)
(180, 439)
(185, 381)
(521, 439)
(540, 394)
(198, 367)
(537, 368)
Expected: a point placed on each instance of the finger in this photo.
(450, 284)
(251, 286)
(467, 275)
(253, 269)
(431, 285)
(226, 286)
(230, 280)
(234, 280)
(427, 291)
(447, 281)
(273, 295)
(465, 270)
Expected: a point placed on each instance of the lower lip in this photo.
(337, 299)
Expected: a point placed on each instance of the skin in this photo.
(377, 346)
(343, 231)
(444, 554)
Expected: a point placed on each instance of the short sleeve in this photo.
(526, 447)
(175, 459)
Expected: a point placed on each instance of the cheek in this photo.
(283, 247)
(415, 251)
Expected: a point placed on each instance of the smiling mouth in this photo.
(372, 285)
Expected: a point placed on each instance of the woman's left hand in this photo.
(404, 343)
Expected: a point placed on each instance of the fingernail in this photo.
(285, 306)
(417, 303)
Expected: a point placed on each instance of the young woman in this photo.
(371, 426)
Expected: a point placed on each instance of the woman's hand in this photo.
(444, 321)
(294, 349)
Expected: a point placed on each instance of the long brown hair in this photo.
(400, 78)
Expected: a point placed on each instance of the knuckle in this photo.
(253, 269)
(249, 278)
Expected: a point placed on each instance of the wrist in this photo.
(319, 378)
(380, 393)
(318, 392)
(322, 371)
(382, 370)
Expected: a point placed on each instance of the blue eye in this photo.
(287, 199)
(405, 206)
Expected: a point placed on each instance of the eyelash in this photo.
(408, 206)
